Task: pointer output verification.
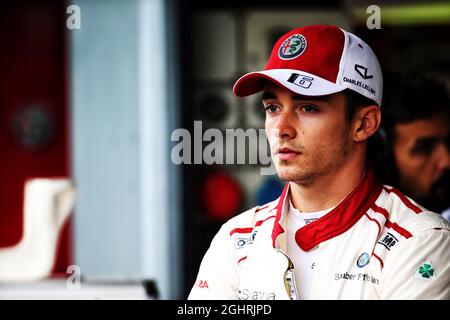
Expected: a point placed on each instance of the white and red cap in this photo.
(318, 60)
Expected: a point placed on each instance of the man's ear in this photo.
(366, 122)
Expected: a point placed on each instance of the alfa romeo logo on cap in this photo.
(292, 47)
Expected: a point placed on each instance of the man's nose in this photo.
(286, 126)
(444, 157)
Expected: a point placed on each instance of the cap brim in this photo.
(299, 82)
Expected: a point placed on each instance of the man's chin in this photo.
(293, 175)
(437, 201)
(438, 198)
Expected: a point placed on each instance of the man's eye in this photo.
(271, 108)
(309, 108)
(424, 147)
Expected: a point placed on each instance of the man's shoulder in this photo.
(407, 230)
(404, 213)
(254, 217)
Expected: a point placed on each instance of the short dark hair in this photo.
(411, 97)
(353, 102)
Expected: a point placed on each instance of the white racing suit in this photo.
(376, 244)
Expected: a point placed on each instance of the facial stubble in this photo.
(320, 162)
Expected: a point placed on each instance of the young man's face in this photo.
(309, 136)
(421, 155)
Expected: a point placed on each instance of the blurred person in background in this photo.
(412, 151)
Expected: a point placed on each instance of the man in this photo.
(416, 124)
(335, 232)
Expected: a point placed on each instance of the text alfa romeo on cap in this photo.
(318, 60)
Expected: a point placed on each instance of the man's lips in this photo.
(287, 153)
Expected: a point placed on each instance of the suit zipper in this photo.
(289, 279)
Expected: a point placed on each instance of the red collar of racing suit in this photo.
(338, 220)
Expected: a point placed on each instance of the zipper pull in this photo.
(289, 279)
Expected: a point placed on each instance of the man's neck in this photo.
(326, 191)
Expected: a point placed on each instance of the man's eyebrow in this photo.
(429, 139)
(270, 95)
(424, 144)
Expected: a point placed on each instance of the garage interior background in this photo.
(98, 105)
